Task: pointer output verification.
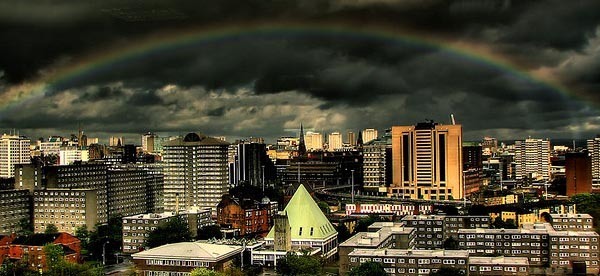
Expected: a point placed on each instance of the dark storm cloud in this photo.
(341, 81)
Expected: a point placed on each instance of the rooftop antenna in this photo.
(452, 119)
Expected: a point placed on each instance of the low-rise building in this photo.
(136, 228)
(572, 251)
(15, 205)
(572, 222)
(31, 248)
(389, 235)
(430, 230)
(411, 262)
(181, 258)
(498, 266)
(251, 217)
(397, 209)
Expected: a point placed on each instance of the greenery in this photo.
(343, 232)
(363, 224)
(588, 204)
(293, 264)
(26, 227)
(57, 265)
(368, 268)
(209, 232)
(324, 207)
(448, 271)
(202, 271)
(508, 224)
(451, 244)
(83, 235)
(110, 236)
(51, 229)
(175, 230)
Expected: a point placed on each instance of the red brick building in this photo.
(250, 216)
(5, 241)
(578, 171)
(31, 248)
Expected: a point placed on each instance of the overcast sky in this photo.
(265, 85)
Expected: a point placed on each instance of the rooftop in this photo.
(39, 239)
(152, 216)
(375, 239)
(190, 251)
(424, 217)
(555, 216)
(195, 139)
(498, 260)
(439, 253)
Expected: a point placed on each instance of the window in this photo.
(300, 232)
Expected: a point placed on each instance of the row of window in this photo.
(409, 260)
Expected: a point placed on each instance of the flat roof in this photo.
(190, 251)
(369, 239)
(501, 260)
(424, 217)
(587, 216)
(152, 216)
(410, 253)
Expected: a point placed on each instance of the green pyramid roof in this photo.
(303, 212)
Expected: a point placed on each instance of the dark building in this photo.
(129, 154)
(578, 171)
(251, 165)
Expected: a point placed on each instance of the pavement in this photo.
(120, 269)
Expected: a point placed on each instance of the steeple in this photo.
(301, 144)
(359, 141)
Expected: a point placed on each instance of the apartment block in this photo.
(15, 205)
(532, 159)
(411, 262)
(572, 222)
(430, 230)
(67, 209)
(573, 252)
(498, 266)
(126, 191)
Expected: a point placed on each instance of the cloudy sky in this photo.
(509, 69)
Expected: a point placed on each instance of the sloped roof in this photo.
(303, 212)
(190, 251)
(37, 239)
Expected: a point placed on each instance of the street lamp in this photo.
(352, 186)
(104, 252)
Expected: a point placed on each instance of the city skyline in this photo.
(505, 69)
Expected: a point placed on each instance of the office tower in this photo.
(250, 164)
(489, 145)
(69, 155)
(593, 147)
(195, 172)
(369, 134)
(114, 141)
(148, 141)
(472, 167)
(427, 161)
(532, 159)
(335, 141)
(377, 166)
(14, 149)
(578, 171)
(314, 141)
(92, 140)
(126, 186)
(351, 138)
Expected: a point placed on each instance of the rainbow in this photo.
(108, 60)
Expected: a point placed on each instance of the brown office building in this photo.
(427, 161)
(578, 171)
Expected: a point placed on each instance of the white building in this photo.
(532, 159)
(313, 140)
(68, 155)
(369, 134)
(14, 150)
(335, 141)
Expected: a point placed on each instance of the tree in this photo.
(201, 271)
(448, 271)
(25, 227)
(110, 236)
(324, 207)
(57, 265)
(363, 224)
(343, 232)
(83, 235)
(368, 268)
(451, 244)
(209, 232)
(175, 230)
(293, 264)
(51, 229)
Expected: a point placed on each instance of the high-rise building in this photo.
(313, 140)
(532, 159)
(148, 141)
(114, 141)
(195, 172)
(578, 171)
(427, 161)
(335, 141)
(377, 165)
(489, 145)
(250, 164)
(69, 155)
(369, 134)
(593, 147)
(14, 149)
(351, 138)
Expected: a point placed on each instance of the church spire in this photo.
(301, 144)
(359, 141)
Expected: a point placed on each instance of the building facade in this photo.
(532, 159)
(427, 161)
(14, 149)
(334, 141)
(578, 172)
(411, 262)
(195, 169)
(15, 205)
